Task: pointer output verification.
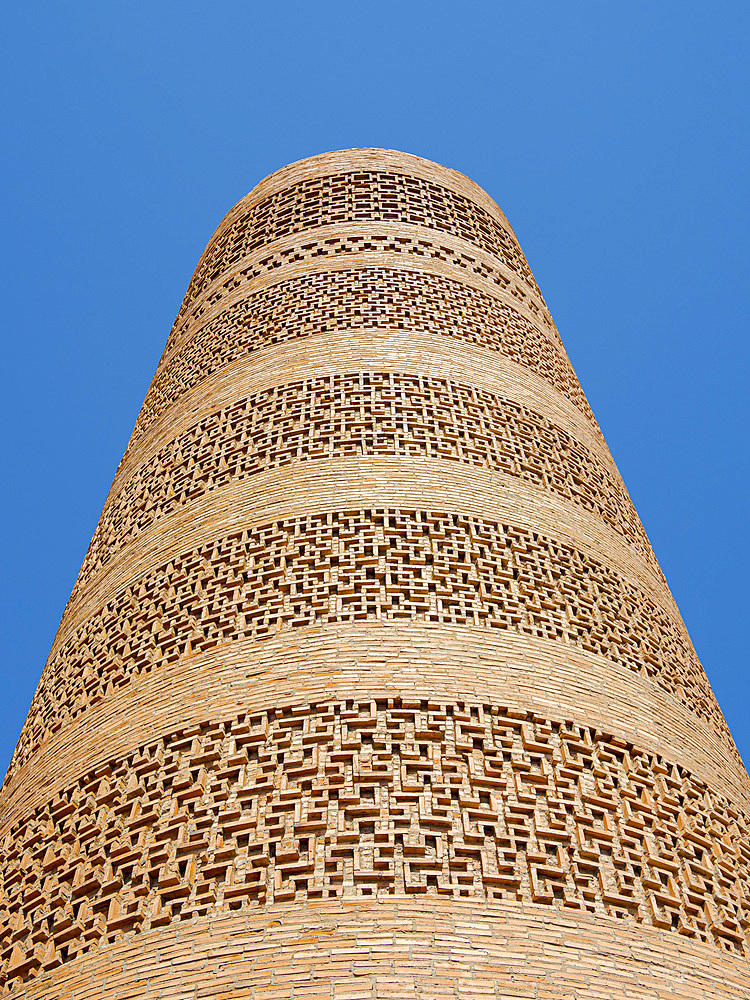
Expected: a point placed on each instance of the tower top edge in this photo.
(364, 158)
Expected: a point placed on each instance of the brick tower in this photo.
(370, 684)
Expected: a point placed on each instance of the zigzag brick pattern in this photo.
(366, 493)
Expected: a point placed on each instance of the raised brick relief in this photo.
(423, 566)
(372, 798)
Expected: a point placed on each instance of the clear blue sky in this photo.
(614, 136)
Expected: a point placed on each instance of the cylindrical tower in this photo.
(370, 684)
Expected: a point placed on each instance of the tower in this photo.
(370, 684)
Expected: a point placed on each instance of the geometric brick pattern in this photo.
(356, 197)
(371, 299)
(365, 414)
(374, 799)
(424, 566)
(370, 684)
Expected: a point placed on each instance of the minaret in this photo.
(370, 684)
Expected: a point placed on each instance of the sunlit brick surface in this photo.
(370, 684)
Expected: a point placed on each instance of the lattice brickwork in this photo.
(372, 799)
(366, 414)
(369, 564)
(362, 298)
(357, 198)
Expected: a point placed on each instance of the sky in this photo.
(614, 136)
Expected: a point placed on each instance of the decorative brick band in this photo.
(387, 660)
(343, 352)
(371, 297)
(355, 198)
(357, 484)
(366, 414)
(374, 798)
(356, 161)
(340, 566)
(368, 245)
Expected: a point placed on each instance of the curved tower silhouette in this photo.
(370, 684)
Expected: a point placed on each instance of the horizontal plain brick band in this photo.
(353, 350)
(346, 484)
(399, 950)
(379, 660)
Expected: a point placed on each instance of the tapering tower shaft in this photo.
(370, 684)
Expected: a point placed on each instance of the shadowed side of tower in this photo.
(370, 684)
